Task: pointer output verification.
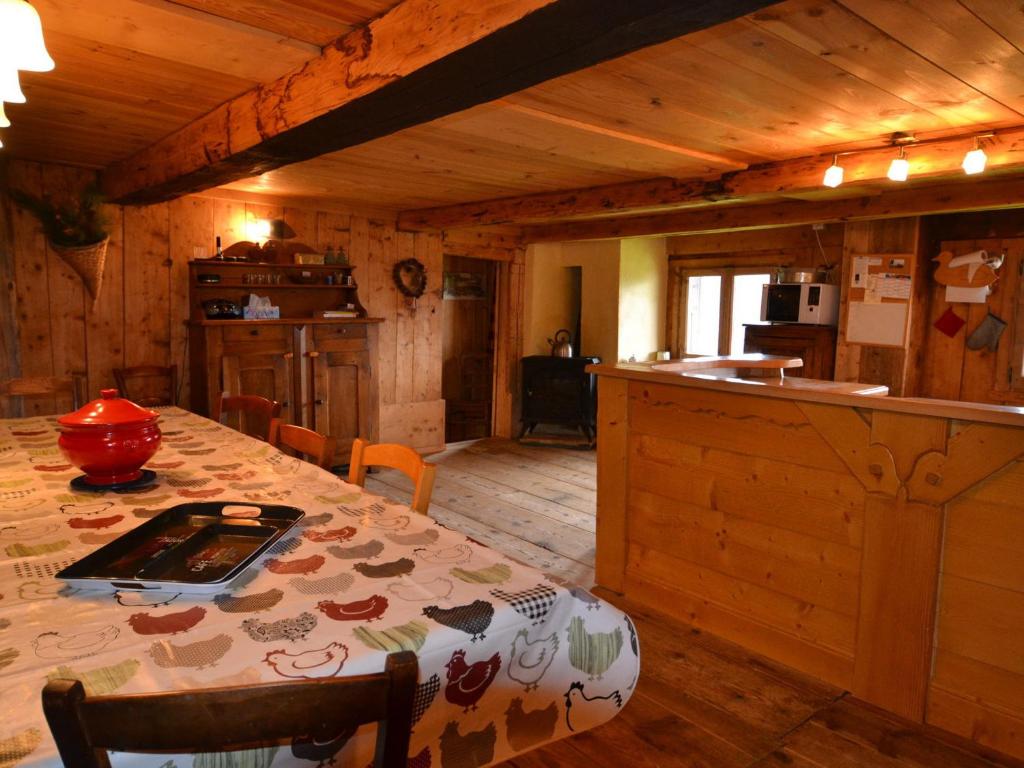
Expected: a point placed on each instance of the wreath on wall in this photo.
(410, 278)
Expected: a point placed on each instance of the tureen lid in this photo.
(109, 411)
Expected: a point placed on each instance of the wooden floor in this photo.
(700, 702)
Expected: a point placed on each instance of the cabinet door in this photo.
(340, 397)
(252, 370)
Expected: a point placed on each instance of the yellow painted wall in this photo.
(643, 278)
(623, 296)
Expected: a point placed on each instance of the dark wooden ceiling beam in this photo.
(934, 161)
(422, 60)
(997, 193)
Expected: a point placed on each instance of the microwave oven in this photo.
(807, 303)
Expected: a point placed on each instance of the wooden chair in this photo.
(316, 448)
(143, 395)
(400, 457)
(254, 413)
(221, 719)
(71, 387)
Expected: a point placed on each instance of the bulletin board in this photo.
(878, 298)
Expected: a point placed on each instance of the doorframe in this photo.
(509, 302)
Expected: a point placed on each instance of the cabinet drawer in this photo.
(327, 332)
(256, 333)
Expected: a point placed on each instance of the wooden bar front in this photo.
(876, 543)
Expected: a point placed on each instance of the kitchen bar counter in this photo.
(871, 541)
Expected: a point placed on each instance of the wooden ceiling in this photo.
(129, 72)
(803, 77)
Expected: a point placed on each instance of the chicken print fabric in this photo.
(510, 659)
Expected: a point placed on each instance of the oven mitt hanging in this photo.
(987, 333)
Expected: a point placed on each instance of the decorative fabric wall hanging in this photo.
(950, 323)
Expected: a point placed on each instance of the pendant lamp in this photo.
(21, 38)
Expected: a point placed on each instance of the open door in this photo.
(467, 382)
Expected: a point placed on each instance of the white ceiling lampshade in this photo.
(10, 87)
(21, 38)
(975, 160)
(834, 173)
(4, 122)
(899, 168)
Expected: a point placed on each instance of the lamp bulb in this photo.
(833, 176)
(899, 169)
(974, 161)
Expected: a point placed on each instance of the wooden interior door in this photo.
(467, 382)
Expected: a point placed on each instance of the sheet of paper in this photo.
(859, 273)
(889, 286)
(956, 294)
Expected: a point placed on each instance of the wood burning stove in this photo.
(558, 390)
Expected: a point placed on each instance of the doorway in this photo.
(467, 379)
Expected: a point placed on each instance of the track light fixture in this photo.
(834, 173)
(975, 160)
(899, 168)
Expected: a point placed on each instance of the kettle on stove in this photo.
(561, 345)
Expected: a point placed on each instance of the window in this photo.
(713, 307)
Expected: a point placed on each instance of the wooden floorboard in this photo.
(700, 701)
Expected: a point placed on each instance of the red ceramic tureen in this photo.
(109, 439)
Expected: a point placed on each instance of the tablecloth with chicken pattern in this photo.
(509, 658)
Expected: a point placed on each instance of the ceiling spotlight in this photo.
(899, 168)
(834, 173)
(975, 160)
(4, 122)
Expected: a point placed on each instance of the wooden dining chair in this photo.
(148, 385)
(316, 448)
(252, 413)
(395, 456)
(221, 719)
(68, 389)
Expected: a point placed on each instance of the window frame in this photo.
(678, 305)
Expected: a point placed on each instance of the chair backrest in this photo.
(73, 387)
(313, 446)
(137, 384)
(400, 457)
(221, 719)
(254, 413)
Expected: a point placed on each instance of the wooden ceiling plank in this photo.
(828, 30)
(713, 160)
(175, 33)
(872, 110)
(953, 38)
(421, 60)
(998, 193)
(282, 17)
(1000, 15)
(933, 161)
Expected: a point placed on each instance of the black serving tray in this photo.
(195, 548)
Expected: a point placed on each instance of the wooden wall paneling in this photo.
(305, 224)
(10, 352)
(32, 285)
(335, 230)
(510, 297)
(68, 296)
(978, 378)
(420, 425)
(104, 320)
(191, 237)
(359, 255)
(381, 255)
(405, 325)
(229, 222)
(1006, 303)
(943, 359)
(427, 352)
(147, 285)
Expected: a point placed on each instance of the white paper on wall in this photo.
(877, 324)
(956, 294)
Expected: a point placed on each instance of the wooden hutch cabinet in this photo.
(815, 344)
(320, 369)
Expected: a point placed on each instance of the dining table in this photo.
(510, 658)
